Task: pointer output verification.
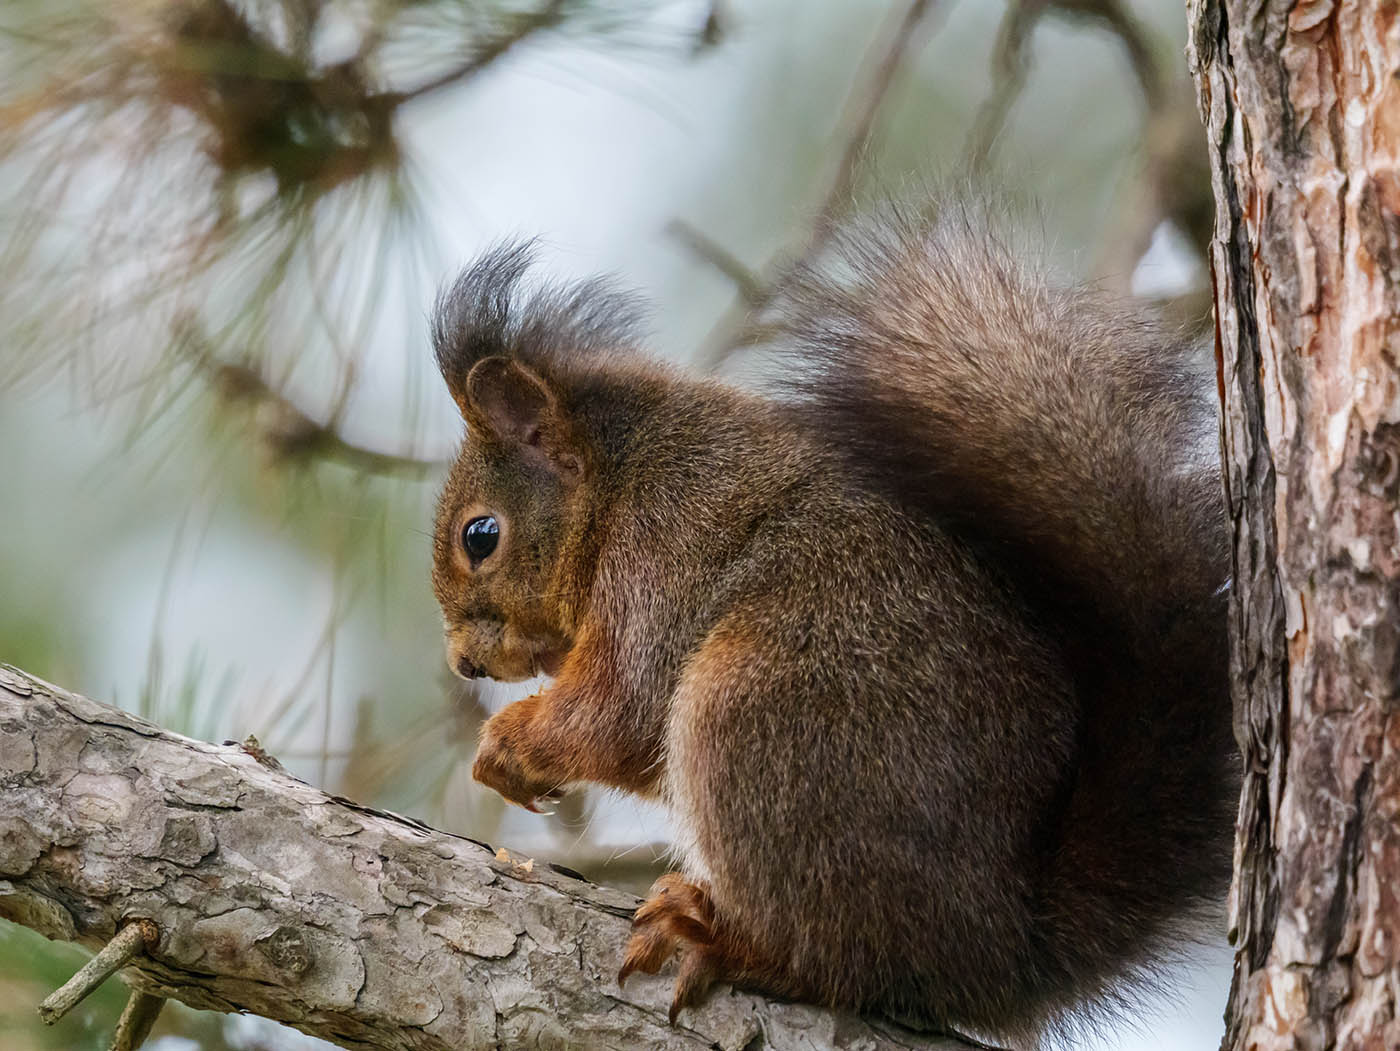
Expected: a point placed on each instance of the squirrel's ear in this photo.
(515, 405)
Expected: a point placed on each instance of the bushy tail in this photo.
(1073, 443)
(1078, 438)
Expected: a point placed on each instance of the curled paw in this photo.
(677, 917)
(500, 765)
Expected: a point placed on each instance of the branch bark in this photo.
(1302, 107)
(361, 927)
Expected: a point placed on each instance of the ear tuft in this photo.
(490, 312)
(475, 318)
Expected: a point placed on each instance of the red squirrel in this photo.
(925, 650)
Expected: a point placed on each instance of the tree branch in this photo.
(364, 928)
(520, 28)
(744, 325)
(1009, 57)
(751, 288)
(291, 433)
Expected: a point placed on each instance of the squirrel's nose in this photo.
(467, 670)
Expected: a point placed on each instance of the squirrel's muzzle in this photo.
(467, 670)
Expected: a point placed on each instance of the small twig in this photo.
(293, 434)
(1009, 78)
(488, 51)
(290, 431)
(748, 284)
(742, 326)
(138, 1017)
(130, 942)
(862, 107)
(715, 27)
(1011, 63)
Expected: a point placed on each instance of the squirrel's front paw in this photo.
(500, 766)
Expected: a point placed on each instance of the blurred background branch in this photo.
(1011, 61)
(744, 326)
(520, 27)
(1171, 187)
(291, 434)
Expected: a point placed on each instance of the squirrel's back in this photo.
(1071, 444)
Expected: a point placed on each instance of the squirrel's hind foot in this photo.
(680, 916)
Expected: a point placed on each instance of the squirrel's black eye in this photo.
(479, 537)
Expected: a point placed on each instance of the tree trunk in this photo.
(361, 927)
(1302, 107)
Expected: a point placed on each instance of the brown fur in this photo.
(926, 659)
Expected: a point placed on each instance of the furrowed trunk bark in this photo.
(1302, 108)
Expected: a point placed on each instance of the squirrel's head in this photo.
(516, 494)
(513, 548)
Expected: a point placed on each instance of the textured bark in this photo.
(1302, 107)
(358, 926)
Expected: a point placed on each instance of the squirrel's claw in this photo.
(552, 799)
(697, 973)
(646, 951)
